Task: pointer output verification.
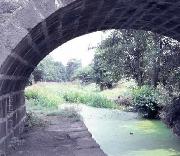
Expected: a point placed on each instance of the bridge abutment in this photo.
(12, 113)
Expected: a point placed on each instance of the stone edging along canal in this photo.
(62, 137)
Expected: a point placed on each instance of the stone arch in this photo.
(31, 29)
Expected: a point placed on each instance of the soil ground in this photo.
(61, 137)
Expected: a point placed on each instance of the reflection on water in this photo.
(124, 134)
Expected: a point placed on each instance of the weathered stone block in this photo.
(81, 134)
(3, 53)
(90, 152)
(31, 55)
(6, 65)
(3, 108)
(5, 86)
(22, 48)
(8, 6)
(86, 142)
(3, 147)
(45, 7)
(3, 131)
(19, 128)
(21, 113)
(28, 16)
(15, 119)
(19, 99)
(11, 35)
(9, 124)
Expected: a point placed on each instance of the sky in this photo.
(78, 48)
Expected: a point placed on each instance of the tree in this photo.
(50, 71)
(147, 57)
(71, 67)
(84, 74)
(121, 55)
(38, 75)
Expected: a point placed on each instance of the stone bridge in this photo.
(31, 29)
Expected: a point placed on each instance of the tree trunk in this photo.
(101, 87)
(157, 66)
(139, 67)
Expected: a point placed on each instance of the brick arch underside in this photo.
(72, 19)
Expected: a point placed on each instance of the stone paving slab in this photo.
(89, 152)
(81, 134)
(87, 142)
(62, 138)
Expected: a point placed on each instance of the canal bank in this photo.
(60, 137)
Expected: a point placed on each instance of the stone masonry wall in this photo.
(12, 114)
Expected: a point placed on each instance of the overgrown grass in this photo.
(40, 96)
(123, 88)
(91, 99)
(50, 95)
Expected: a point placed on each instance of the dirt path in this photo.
(62, 137)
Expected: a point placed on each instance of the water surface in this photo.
(112, 128)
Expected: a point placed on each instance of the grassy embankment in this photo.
(48, 96)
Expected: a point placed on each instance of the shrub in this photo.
(123, 101)
(33, 120)
(163, 96)
(145, 101)
(92, 99)
(73, 96)
(100, 101)
(171, 115)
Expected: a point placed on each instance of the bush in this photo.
(74, 96)
(145, 101)
(100, 101)
(90, 99)
(171, 115)
(33, 120)
(163, 96)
